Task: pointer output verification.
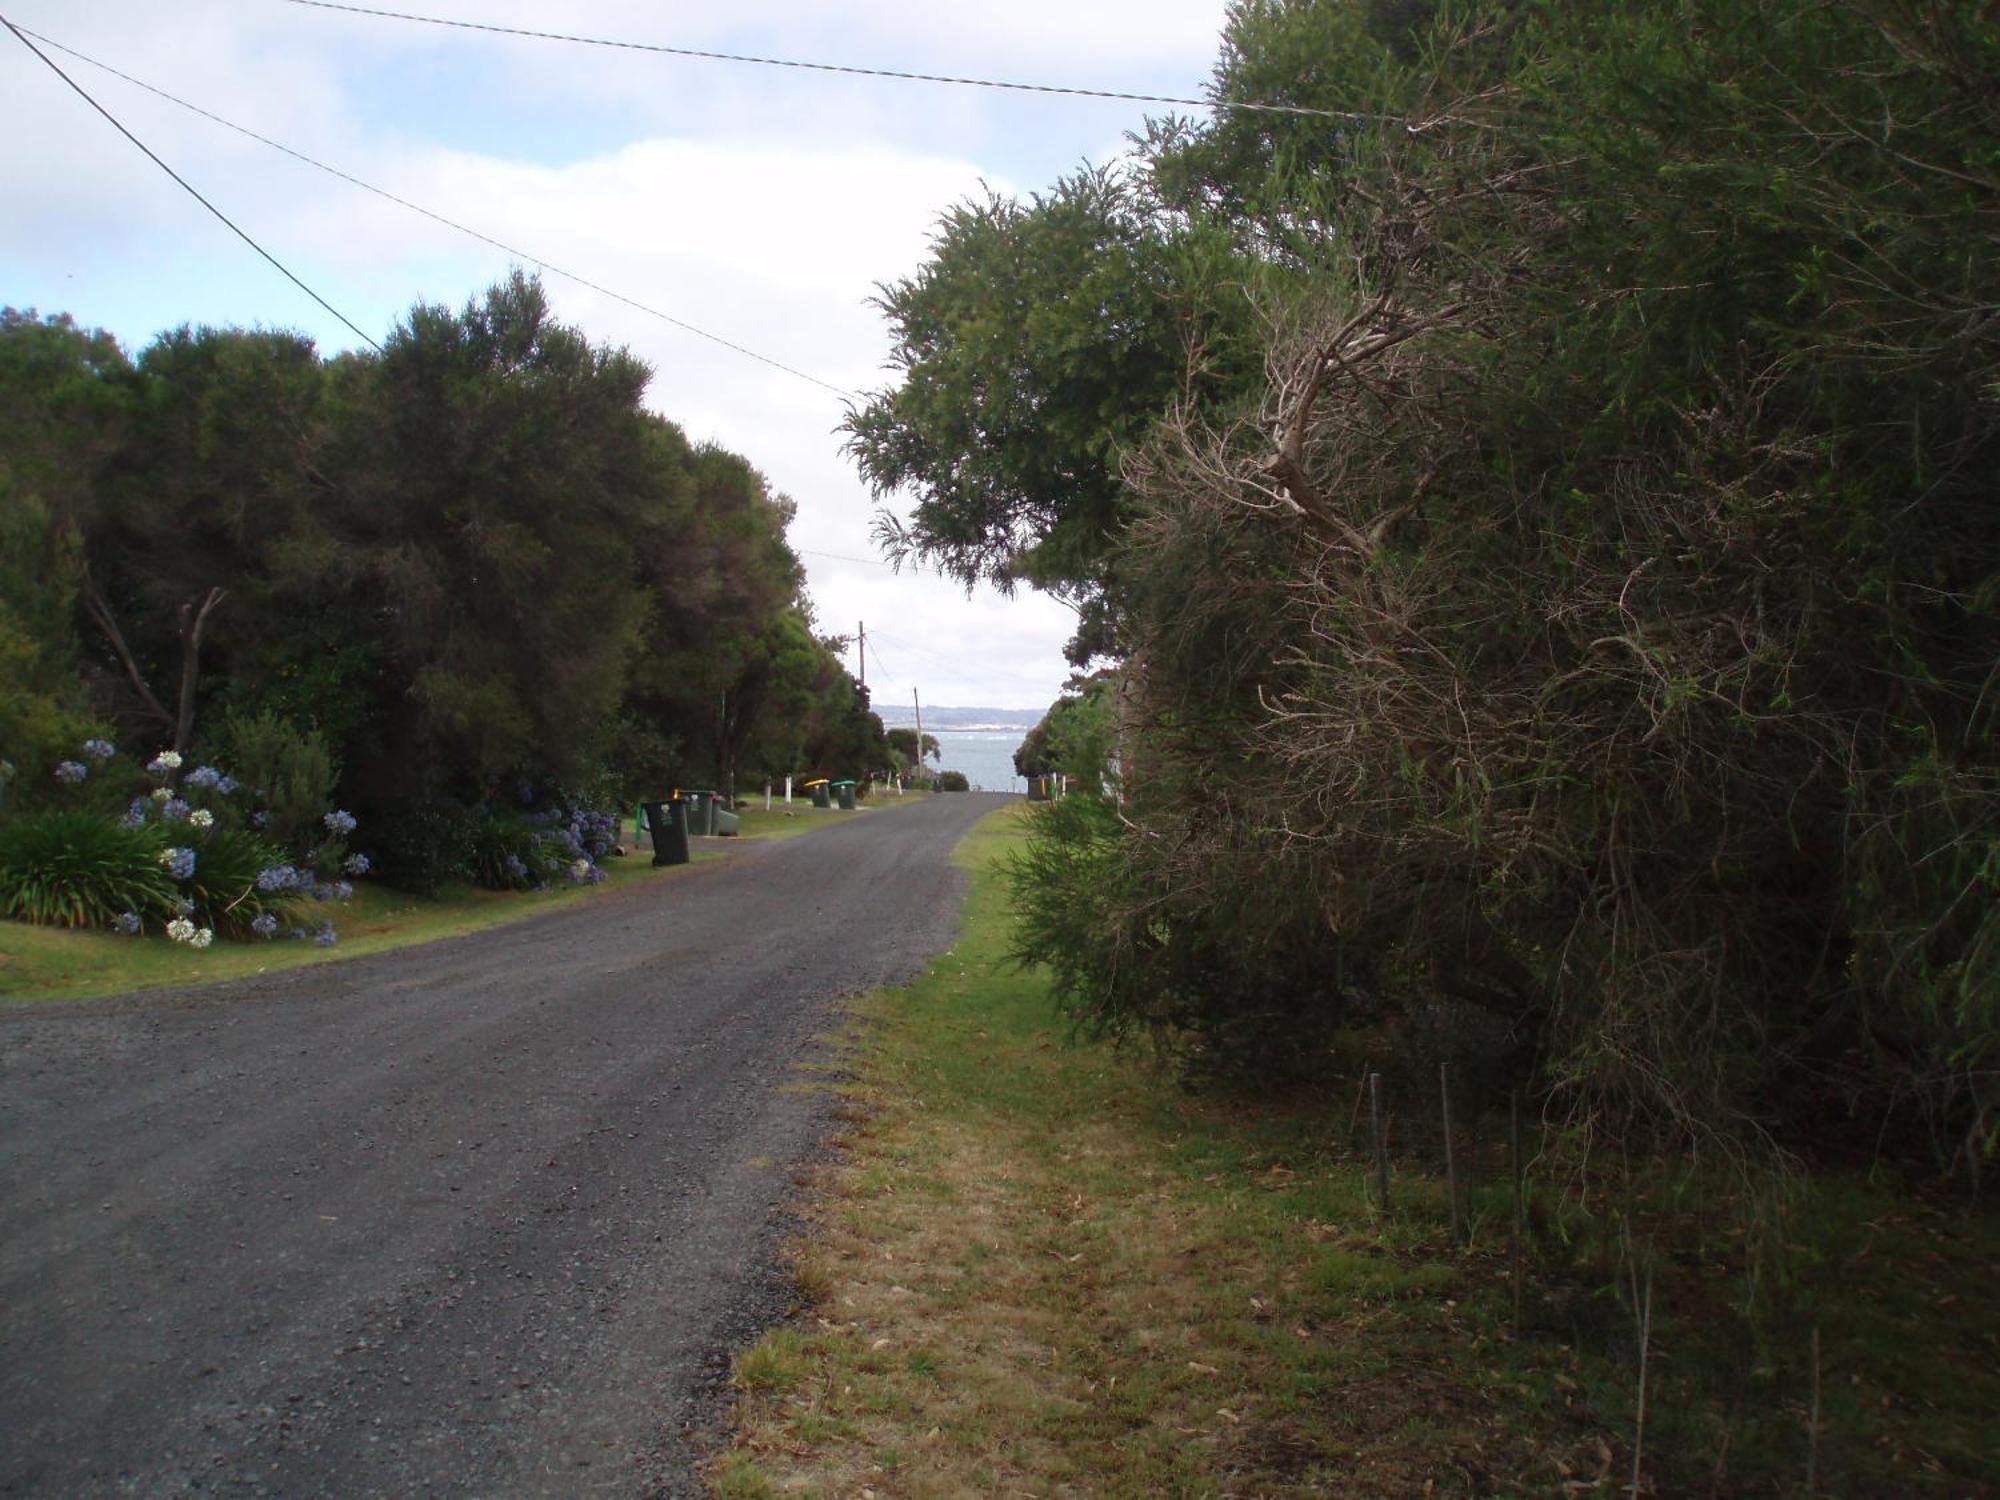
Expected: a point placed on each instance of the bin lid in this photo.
(816, 781)
(843, 783)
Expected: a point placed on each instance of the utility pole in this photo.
(917, 704)
(861, 636)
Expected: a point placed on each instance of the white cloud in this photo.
(760, 204)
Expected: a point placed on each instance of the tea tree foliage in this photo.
(1584, 613)
(472, 563)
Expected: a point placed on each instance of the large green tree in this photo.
(1039, 342)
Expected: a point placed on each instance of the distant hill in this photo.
(946, 717)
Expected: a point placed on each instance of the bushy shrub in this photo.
(953, 781)
(514, 853)
(76, 869)
(425, 846)
(290, 773)
(224, 887)
(524, 851)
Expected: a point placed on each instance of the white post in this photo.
(767, 794)
(788, 791)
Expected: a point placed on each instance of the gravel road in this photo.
(475, 1218)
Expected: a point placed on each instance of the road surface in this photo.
(475, 1218)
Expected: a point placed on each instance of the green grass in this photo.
(1042, 1267)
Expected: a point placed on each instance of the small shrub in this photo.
(291, 773)
(76, 869)
(424, 847)
(224, 885)
(514, 853)
(953, 781)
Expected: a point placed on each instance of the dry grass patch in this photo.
(1041, 1269)
(1018, 1282)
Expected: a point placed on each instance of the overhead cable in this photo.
(1241, 105)
(22, 37)
(416, 208)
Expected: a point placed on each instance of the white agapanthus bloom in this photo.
(181, 930)
(203, 936)
(201, 817)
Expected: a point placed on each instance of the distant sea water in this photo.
(985, 755)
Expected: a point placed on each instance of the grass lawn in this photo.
(1041, 1268)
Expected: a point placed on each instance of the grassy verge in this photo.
(48, 963)
(44, 963)
(802, 817)
(1039, 1268)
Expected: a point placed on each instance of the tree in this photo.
(1039, 341)
(904, 743)
(1583, 623)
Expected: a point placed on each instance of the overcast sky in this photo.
(761, 204)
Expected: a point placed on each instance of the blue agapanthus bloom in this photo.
(277, 878)
(205, 776)
(174, 810)
(515, 869)
(264, 924)
(339, 824)
(179, 863)
(99, 749)
(70, 772)
(228, 786)
(184, 907)
(128, 923)
(357, 864)
(342, 891)
(259, 818)
(135, 815)
(324, 938)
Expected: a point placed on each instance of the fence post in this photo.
(1381, 1149)
(1520, 1196)
(1450, 1160)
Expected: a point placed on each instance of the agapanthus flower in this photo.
(324, 938)
(259, 818)
(128, 923)
(161, 794)
(201, 817)
(597, 875)
(515, 869)
(579, 872)
(70, 772)
(264, 924)
(228, 786)
(179, 862)
(204, 776)
(181, 930)
(339, 824)
(356, 864)
(203, 936)
(277, 878)
(174, 809)
(135, 815)
(342, 891)
(99, 749)
(165, 761)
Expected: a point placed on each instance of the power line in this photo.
(860, 72)
(871, 562)
(983, 670)
(416, 208)
(186, 186)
